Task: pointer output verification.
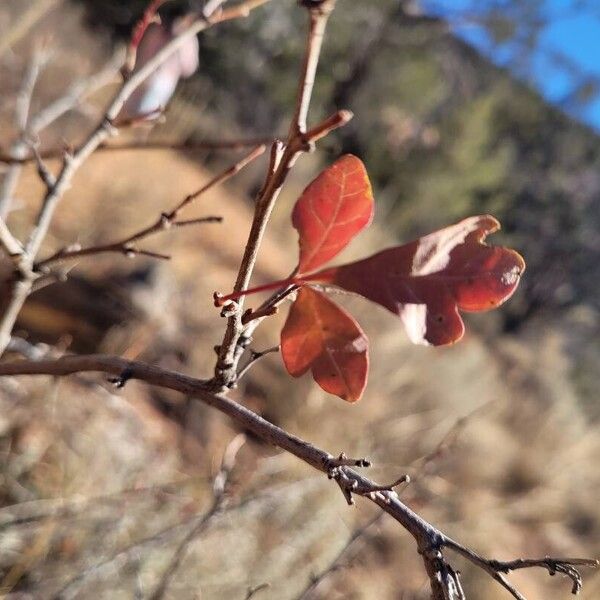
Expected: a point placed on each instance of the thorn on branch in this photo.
(120, 381)
(230, 308)
(343, 461)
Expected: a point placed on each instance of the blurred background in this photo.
(461, 108)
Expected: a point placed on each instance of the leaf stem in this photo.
(221, 300)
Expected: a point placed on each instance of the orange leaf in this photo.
(331, 211)
(319, 335)
(427, 281)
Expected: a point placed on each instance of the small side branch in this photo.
(21, 118)
(219, 504)
(569, 567)
(25, 274)
(343, 557)
(166, 221)
(186, 146)
(254, 358)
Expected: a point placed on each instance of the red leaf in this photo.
(427, 281)
(319, 335)
(331, 211)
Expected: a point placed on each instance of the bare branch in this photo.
(282, 160)
(79, 91)
(343, 557)
(19, 147)
(496, 568)
(430, 541)
(26, 21)
(219, 503)
(165, 221)
(230, 172)
(254, 358)
(9, 243)
(25, 261)
(253, 591)
(189, 146)
(319, 15)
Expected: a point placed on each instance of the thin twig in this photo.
(150, 16)
(219, 503)
(24, 262)
(74, 96)
(11, 246)
(253, 359)
(166, 221)
(342, 558)
(430, 541)
(35, 12)
(496, 568)
(252, 591)
(19, 147)
(188, 146)
(299, 140)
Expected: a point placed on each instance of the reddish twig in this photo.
(282, 159)
(150, 16)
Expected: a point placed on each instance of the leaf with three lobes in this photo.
(319, 335)
(331, 211)
(426, 282)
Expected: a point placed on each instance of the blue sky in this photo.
(564, 54)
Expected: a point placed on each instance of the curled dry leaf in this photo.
(427, 281)
(336, 206)
(319, 335)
